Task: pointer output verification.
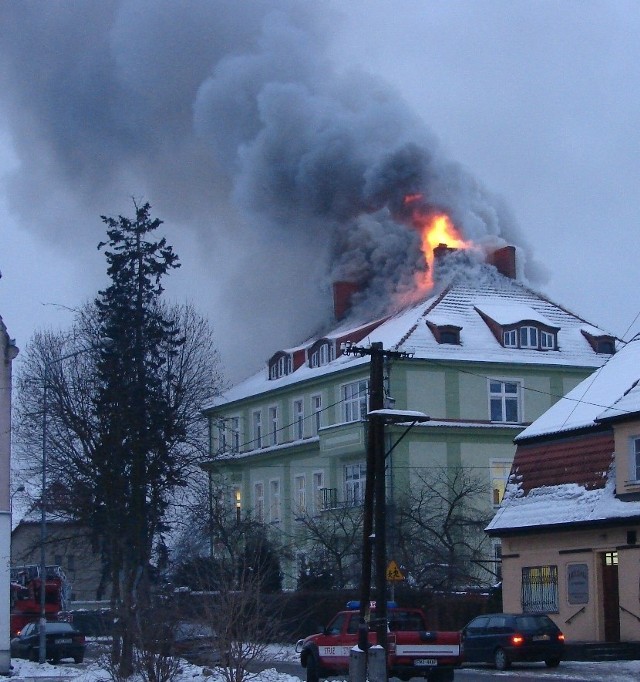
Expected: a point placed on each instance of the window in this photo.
(274, 501)
(280, 365)
(528, 337)
(300, 492)
(318, 487)
(298, 420)
(540, 589)
(322, 354)
(273, 424)
(499, 472)
(510, 339)
(635, 458)
(256, 420)
(234, 424)
(497, 559)
(222, 436)
(547, 341)
(258, 501)
(504, 401)
(316, 408)
(355, 400)
(355, 476)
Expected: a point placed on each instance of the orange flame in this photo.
(435, 229)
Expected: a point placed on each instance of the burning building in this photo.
(483, 356)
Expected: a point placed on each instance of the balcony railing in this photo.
(329, 500)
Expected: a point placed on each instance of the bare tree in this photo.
(333, 540)
(439, 529)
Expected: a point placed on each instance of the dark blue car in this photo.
(62, 641)
(504, 638)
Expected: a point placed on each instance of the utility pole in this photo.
(375, 496)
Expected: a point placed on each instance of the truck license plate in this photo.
(426, 661)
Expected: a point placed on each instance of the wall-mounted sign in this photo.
(578, 583)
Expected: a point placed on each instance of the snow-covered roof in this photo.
(611, 391)
(456, 305)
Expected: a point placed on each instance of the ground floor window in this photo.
(540, 589)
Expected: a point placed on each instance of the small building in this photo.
(570, 518)
(8, 352)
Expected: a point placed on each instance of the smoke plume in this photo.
(284, 171)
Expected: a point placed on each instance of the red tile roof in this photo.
(584, 460)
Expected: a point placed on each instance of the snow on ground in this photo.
(620, 671)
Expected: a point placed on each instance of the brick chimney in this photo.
(504, 260)
(342, 295)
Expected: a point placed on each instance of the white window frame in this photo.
(355, 400)
(274, 424)
(510, 338)
(506, 400)
(235, 433)
(222, 435)
(634, 458)
(316, 410)
(318, 487)
(256, 428)
(547, 340)
(499, 470)
(297, 423)
(528, 336)
(355, 480)
(275, 501)
(300, 492)
(258, 501)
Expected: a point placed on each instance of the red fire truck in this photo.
(26, 583)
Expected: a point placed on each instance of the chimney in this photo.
(504, 260)
(342, 294)
(442, 250)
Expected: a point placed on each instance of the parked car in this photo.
(62, 641)
(503, 638)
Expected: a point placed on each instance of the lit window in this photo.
(635, 458)
(540, 589)
(258, 501)
(257, 428)
(355, 401)
(274, 501)
(298, 420)
(528, 337)
(504, 401)
(355, 476)
(499, 470)
(510, 339)
(611, 558)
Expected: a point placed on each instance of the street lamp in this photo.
(43, 516)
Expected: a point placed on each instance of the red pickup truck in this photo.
(412, 649)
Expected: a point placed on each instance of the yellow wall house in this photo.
(570, 519)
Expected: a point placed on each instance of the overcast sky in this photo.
(273, 136)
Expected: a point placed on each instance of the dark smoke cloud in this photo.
(229, 119)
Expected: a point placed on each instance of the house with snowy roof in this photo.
(482, 355)
(570, 519)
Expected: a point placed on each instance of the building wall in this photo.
(579, 553)
(445, 391)
(66, 546)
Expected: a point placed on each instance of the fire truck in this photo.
(26, 585)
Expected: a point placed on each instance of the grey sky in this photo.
(266, 135)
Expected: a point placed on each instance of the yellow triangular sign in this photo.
(393, 572)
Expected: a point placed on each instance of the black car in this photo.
(62, 641)
(502, 638)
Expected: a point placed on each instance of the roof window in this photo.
(280, 365)
(601, 343)
(321, 353)
(445, 333)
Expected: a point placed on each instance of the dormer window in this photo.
(445, 333)
(321, 353)
(602, 343)
(528, 337)
(510, 339)
(280, 365)
(519, 326)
